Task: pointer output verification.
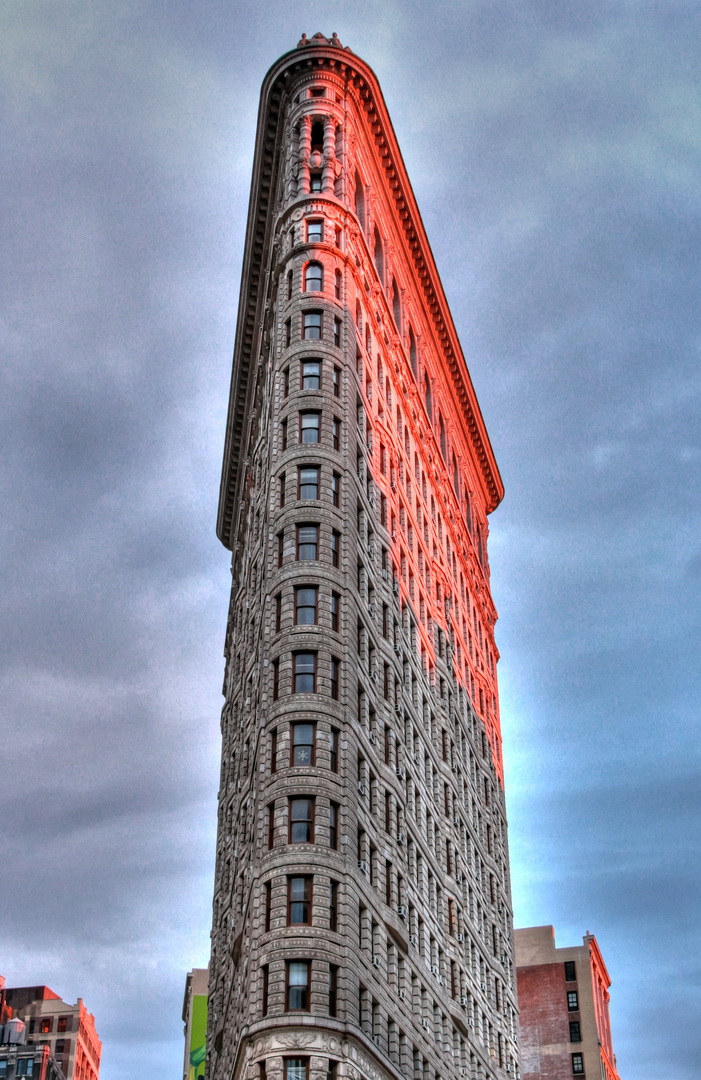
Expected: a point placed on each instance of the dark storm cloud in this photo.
(554, 149)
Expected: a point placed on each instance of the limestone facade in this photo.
(362, 923)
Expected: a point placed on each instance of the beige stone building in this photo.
(68, 1030)
(362, 919)
(564, 1002)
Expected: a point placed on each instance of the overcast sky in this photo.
(554, 148)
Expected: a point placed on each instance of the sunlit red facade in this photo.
(362, 911)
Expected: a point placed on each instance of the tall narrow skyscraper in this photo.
(362, 913)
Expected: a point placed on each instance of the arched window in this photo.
(427, 397)
(359, 200)
(379, 257)
(441, 431)
(314, 277)
(396, 306)
(412, 354)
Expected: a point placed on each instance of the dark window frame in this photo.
(572, 1001)
(306, 607)
(306, 543)
(311, 820)
(309, 375)
(300, 485)
(293, 728)
(288, 987)
(289, 1059)
(334, 739)
(303, 415)
(310, 325)
(308, 899)
(295, 673)
(335, 678)
(314, 265)
(334, 809)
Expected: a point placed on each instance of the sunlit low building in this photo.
(563, 996)
(362, 920)
(68, 1030)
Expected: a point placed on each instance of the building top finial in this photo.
(319, 39)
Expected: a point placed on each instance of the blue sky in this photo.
(555, 151)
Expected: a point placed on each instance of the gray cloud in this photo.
(554, 150)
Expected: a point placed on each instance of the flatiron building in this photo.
(362, 921)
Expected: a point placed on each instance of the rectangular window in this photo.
(262, 1071)
(336, 433)
(337, 330)
(339, 237)
(304, 673)
(309, 427)
(333, 826)
(273, 751)
(310, 375)
(63, 1023)
(25, 1067)
(335, 677)
(297, 992)
(268, 904)
(276, 679)
(333, 749)
(305, 606)
(333, 988)
(335, 612)
(288, 335)
(282, 490)
(299, 901)
(315, 232)
(283, 439)
(296, 1068)
(289, 284)
(337, 382)
(578, 1064)
(336, 489)
(301, 829)
(303, 744)
(312, 325)
(335, 548)
(46, 1025)
(570, 969)
(307, 543)
(308, 483)
(280, 548)
(278, 612)
(575, 1031)
(572, 1001)
(333, 906)
(271, 826)
(315, 181)
(266, 973)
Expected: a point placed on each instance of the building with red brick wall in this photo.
(69, 1030)
(563, 997)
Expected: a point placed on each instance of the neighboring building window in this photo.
(312, 325)
(303, 744)
(315, 232)
(309, 425)
(572, 1001)
(333, 988)
(63, 1023)
(336, 489)
(335, 548)
(578, 1064)
(333, 905)
(299, 901)
(570, 971)
(337, 279)
(333, 749)
(297, 992)
(296, 1068)
(335, 677)
(310, 371)
(575, 1031)
(60, 1046)
(307, 543)
(24, 1067)
(336, 433)
(308, 483)
(301, 821)
(336, 382)
(3, 1069)
(305, 606)
(46, 1025)
(335, 612)
(314, 277)
(333, 826)
(304, 673)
